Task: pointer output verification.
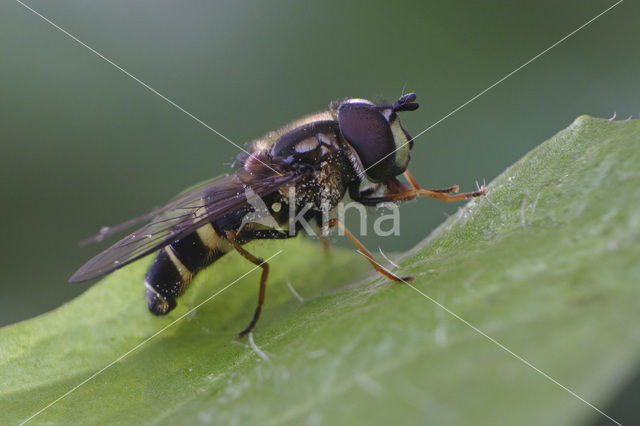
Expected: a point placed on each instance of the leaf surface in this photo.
(546, 265)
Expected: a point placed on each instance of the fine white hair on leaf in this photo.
(256, 349)
(494, 205)
(236, 342)
(471, 279)
(316, 354)
(440, 332)
(369, 385)
(387, 259)
(522, 221)
(294, 292)
(533, 207)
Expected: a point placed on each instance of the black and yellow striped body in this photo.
(177, 263)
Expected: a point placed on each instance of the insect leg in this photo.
(416, 186)
(397, 191)
(440, 194)
(231, 237)
(448, 197)
(326, 245)
(336, 222)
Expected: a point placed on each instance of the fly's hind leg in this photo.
(231, 237)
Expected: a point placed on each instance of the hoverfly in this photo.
(356, 146)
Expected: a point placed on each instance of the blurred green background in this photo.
(83, 145)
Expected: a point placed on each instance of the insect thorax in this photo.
(319, 147)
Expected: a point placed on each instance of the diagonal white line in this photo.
(145, 85)
(497, 82)
(494, 341)
(144, 342)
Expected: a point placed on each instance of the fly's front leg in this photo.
(231, 237)
(398, 191)
(414, 183)
(440, 194)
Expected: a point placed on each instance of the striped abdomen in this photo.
(176, 265)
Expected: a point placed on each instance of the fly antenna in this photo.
(406, 103)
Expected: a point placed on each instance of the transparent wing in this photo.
(115, 229)
(180, 217)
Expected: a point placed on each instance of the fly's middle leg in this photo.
(231, 237)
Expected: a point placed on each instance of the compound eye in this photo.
(367, 130)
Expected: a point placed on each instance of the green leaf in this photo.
(546, 264)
